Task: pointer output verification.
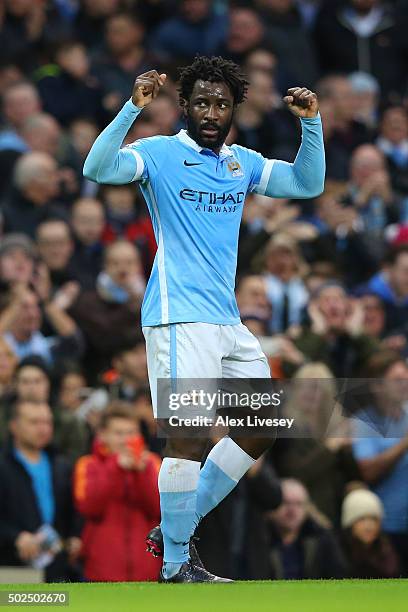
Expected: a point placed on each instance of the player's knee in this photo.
(183, 448)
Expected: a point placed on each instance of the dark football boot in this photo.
(155, 546)
(189, 572)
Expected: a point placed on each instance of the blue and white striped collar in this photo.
(186, 139)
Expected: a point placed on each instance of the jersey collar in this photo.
(187, 140)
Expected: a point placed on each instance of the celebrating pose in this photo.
(195, 188)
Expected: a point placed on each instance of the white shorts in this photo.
(202, 350)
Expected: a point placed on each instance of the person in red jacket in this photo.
(115, 489)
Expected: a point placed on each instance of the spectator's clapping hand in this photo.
(377, 184)
(66, 295)
(318, 321)
(337, 216)
(128, 461)
(289, 352)
(395, 342)
(27, 546)
(281, 215)
(42, 282)
(355, 319)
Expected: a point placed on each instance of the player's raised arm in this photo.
(106, 161)
(305, 177)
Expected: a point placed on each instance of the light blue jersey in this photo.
(195, 198)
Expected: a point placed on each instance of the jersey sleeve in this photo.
(261, 169)
(150, 154)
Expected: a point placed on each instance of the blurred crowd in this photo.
(323, 283)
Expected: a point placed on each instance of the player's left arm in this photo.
(304, 178)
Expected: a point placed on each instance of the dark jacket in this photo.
(345, 356)
(320, 555)
(107, 326)
(19, 509)
(323, 472)
(23, 216)
(379, 560)
(381, 54)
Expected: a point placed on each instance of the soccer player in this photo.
(195, 188)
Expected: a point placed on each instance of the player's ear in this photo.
(184, 106)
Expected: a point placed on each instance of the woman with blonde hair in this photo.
(318, 453)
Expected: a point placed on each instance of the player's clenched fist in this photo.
(302, 102)
(146, 87)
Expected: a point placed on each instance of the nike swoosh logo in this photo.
(186, 163)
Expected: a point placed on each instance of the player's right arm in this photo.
(107, 162)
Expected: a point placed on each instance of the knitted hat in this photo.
(17, 241)
(359, 504)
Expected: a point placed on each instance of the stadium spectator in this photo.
(71, 90)
(345, 132)
(129, 372)
(115, 489)
(90, 20)
(368, 551)
(252, 297)
(286, 291)
(35, 492)
(110, 314)
(381, 443)
(335, 332)
(393, 142)
(375, 323)
(72, 386)
(165, 113)
(366, 91)
(391, 285)
(262, 124)
(17, 259)
(261, 219)
(55, 247)
(363, 35)
(289, 39)
(33, 384)
(20, 100)
(8, 364)
(42, 133)
(28, 29)
(126, 217)
(21, 320)
(318, 453)
(122, 56)
(197, 29)
(34, 198)
(87, 220)
(295, 546)
(246, 33)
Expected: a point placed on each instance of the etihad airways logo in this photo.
(207, 201)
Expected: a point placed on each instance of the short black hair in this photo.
(215, 70)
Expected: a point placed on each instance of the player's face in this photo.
(209, 114)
